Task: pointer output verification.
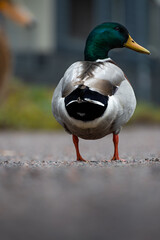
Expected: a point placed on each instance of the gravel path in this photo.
(45, 194)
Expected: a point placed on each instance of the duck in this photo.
(21, 16)
(94, 98)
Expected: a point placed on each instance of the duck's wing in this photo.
(107, 79)
(103, 77)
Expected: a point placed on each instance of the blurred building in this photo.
(42, 54)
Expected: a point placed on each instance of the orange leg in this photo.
(76, 141)
(116, 154)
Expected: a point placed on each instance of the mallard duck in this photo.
(94, 97)
(19, 15)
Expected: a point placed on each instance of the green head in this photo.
(107, 36)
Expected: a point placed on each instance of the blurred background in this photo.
(38, 49)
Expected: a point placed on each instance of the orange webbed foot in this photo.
(117, 159)
(80, 159)
(76, 142)
(116, 154)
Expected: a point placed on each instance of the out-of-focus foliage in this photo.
(146, 113)
(27, 107)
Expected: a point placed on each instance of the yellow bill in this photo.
(134, 46)
(16, 13)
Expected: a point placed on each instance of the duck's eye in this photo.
(117, 28)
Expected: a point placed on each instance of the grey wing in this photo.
(64, 88)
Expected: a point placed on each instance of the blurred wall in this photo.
(41, 38)
(42, 54)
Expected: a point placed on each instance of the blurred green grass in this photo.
(146, 113)
(29, 107)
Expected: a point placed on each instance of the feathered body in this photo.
(104, 78)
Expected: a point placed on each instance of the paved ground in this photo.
(45, 194)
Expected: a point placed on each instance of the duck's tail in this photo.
(85, 104)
